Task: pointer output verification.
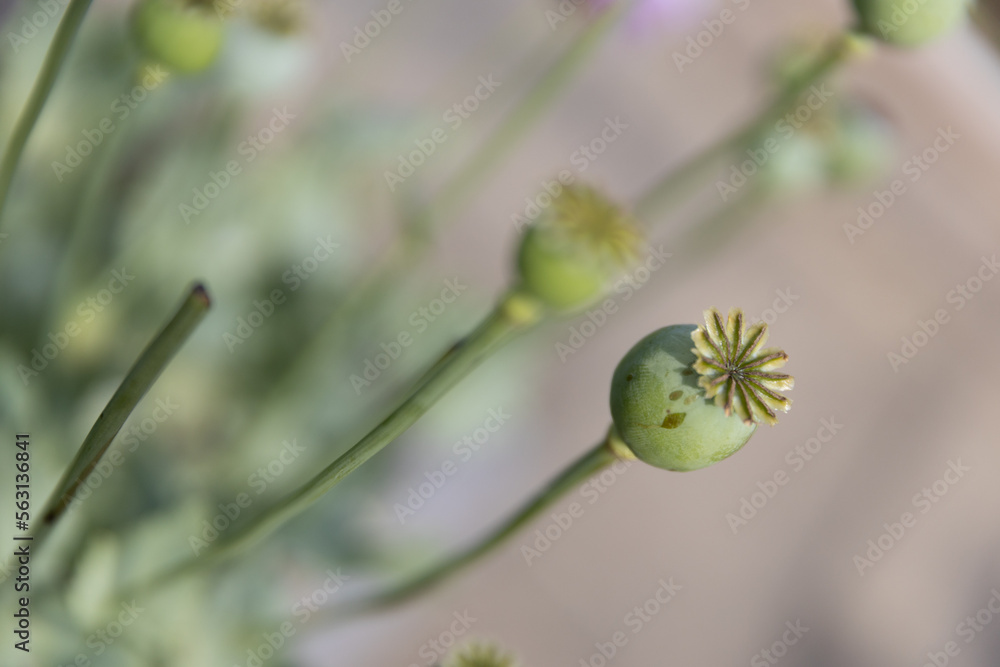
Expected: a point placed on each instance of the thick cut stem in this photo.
(140, 378)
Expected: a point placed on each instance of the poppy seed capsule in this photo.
(182, 35)
(575, 248)
(910, 22)
(661, 412)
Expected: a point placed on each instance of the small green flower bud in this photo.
(575, 248)
(910, 22)
(683, 409)
(183, 35)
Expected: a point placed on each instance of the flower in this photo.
(480, 655)
(737, 372)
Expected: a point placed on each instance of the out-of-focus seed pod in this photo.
(575, 248)
(182, 35)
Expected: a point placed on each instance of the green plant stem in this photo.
(545, 90)
(137, 382)
(595, 460)
(61, 43)
(679, 181)
(500, 327)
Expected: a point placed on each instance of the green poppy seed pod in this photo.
(683, 408)
(910, 22)
(575, 248)
(182, 35)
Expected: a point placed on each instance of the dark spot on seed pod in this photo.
(628, 378)
(673, 420)
(687, 371)
(690, 399)
(674, 395)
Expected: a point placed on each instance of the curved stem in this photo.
(505, 323)
(595, 460)
(678, 182)
(61, 42)
(543, 92)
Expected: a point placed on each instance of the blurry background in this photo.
(838, 302)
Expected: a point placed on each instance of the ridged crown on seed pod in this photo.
(576, 247)
(683, 408)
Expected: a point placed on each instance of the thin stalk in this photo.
(61, 43)
(678, 182)
(86, 233)
(595, 460)
(506, 322)
(137, 382)
(545, 90)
